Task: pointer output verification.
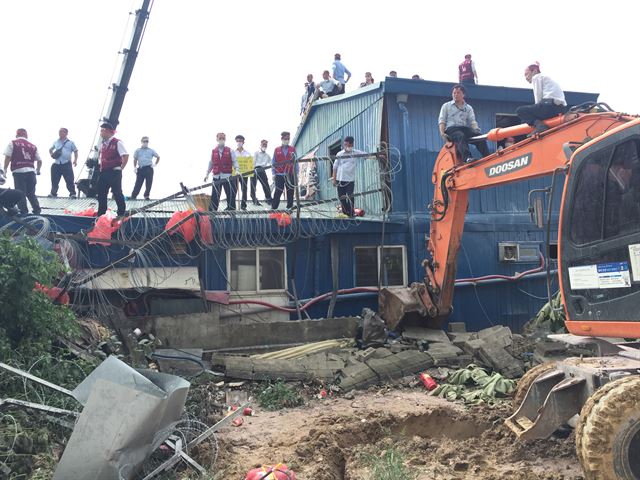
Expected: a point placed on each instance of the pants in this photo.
(283, 182)
(229, 186)
(26, 183)
(9, 197)
(540, 111)
(345, 192)
(459, 136)
(468, 81)
(144, 174)
(244, 182)
(110, 179)
(64, 170)
(261, 175)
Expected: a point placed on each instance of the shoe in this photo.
(130, 198)
(243, 206)
(229, 209)
(37, 212)
(52, 195)
(12, 211)
(73, 195)
(146, 198)
(539, 127)
(469, 160)
(256, 202)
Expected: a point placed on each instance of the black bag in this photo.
(58, 151)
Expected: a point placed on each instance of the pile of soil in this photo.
(337, 438)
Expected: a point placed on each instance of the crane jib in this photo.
(509, 166)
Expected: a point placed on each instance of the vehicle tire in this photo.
(608, 432)
(527, 379)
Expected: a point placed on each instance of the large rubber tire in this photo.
(527, 379)
(608, 432)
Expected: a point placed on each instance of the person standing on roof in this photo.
(245, 163)
(61, 152)
(457, 123)
(467, 74)
(143, 162)
(261, 160)
(339, 71)
(221, 165)
(25, 165)
(548, 97)
(284, 171)
(344, 175)
(113, 159)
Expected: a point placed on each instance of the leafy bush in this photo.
(278, 395)
(29, 321)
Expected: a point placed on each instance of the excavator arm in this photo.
(539, 155)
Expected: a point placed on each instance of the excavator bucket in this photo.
(405, 305)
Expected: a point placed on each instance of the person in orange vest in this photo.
(25, 165)
(467, 71)
(223, 161)
(284, 171)
(113, 159)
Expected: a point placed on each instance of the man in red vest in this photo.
(223, 161)
(113, 158)
(284, 171)
(467, 71)
(25, 165)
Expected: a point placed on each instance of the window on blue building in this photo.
(256, 270)
(367, 262)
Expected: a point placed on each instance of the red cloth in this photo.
(283, 219)
(89, 212)
(271, 472)
(188, 228)
(104, 228)
(53, 293)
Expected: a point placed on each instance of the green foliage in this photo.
(390, 465)
(551, 317)
(474, 385)
(29, 321)
(278, 395)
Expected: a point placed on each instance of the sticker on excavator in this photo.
(603, 275)
(634, 256)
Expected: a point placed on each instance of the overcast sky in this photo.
(239, 67)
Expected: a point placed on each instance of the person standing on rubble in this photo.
(262, 161)
(143, 163)
(344, 175)
(284, 171)
(25, 165)
(221, 165)
(548, 97)
(61, 152)
(113, 159)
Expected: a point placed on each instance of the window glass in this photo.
(621, 211)
(271, 269)
(366, 264)
(243, 270)
(587, 207)
(392, 266)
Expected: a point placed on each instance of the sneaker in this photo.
(73, 195)
(146, 198)
(256, 202)
(52, 195)
(130, 198)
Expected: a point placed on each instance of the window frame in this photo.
(405, 270)
(257, 267)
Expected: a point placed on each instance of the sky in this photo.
(239, 67)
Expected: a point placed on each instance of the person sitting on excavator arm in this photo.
(548, 96)
(457, 123)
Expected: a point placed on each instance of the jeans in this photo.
(26, 183)
(261, 176)
(459, 136)
(345, 192)
(229, 186)
(540, 111)
(110, 180)
(144, 174)
(283, 182)
(64, 170)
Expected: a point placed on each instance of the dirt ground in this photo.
(337, 438)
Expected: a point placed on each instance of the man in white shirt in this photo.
(548, 96)
(344, 175)
(261, 161)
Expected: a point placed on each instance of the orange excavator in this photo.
(597, 151)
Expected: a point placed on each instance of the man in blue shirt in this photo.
(61, 151)
(143, 160)
(339, 71)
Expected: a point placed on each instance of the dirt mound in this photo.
(343, 440)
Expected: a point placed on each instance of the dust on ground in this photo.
(337, 438)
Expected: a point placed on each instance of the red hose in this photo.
(506, 277)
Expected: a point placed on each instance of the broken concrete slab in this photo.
(458, 338)
(444, 354)
(457, 327)
(357, 376)
(472, 347)
(287, 369)
(500, 360)
(429, 335)
(498, 334)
